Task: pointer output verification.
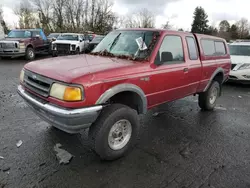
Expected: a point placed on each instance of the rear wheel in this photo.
(115, 131)
(30, 54)
(207, 100)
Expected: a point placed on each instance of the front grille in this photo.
(7, 45)
(232, 66)
(63, 47)
(37, 83)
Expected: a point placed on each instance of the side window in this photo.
(171, 50)
(208, 47)
(34, 33)
(192, 48)
(220, 48)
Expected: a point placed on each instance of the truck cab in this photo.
(129, 72)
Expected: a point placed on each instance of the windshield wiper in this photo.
(103, 52)
(114, 41)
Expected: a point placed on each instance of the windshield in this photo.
(97, 39)
(19, 34)
(68, 37)
(242, 50)
(127, 43)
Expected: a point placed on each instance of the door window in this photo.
(171, 51)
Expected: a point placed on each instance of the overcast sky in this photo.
(179, 12)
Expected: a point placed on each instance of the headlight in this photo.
(73, 46)
(22, 75)
(53, 46)
(244, 66)
(66, 93)
(21, 46)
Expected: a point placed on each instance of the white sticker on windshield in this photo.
(141, 43)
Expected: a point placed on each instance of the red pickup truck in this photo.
(128, 73)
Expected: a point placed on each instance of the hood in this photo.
(237, 59)
(69, 68)
(65, 42)
(14, 39)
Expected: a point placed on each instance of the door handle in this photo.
(185, 70)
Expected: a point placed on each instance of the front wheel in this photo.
(54, 54)
(30, 54)
(207, 100)
(115, 131)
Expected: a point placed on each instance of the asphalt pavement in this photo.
(179, 145)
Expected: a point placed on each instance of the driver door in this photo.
(169, 79)
(37, 41)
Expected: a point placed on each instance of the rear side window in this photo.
(208, 47)
(192, 48)
(220, 48)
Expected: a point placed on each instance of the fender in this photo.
(218, 70)
(29, 44)
(121, 88)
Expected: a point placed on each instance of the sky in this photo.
(178, 12)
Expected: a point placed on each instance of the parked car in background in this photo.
(53, 36)
(69, 43)
(240, 56)
(128, 73)
(24, 42)
(91, 45)
(91, 36)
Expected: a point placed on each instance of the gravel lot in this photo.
(179, 145)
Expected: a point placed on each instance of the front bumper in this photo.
(67, 120)
(240, 76)
(12, 53)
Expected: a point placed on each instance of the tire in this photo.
(207, 100)
(54, 54)
(77, 52)
(100, 132)
(30, 54)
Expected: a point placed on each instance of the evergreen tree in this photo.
(200, 23)
(234, 32)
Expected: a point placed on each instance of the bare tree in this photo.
(143, 19)
(167, 25)
(44, 9)
(58, 14)
(26, 15)
(67, 15)
(243, 28)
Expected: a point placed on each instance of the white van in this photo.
(240, 57)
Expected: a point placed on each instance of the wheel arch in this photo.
(218, 75)
(127, 90)
(29, 46)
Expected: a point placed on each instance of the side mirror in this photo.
(53, 39)
(165, 57)
(80, 40)
(37, 36)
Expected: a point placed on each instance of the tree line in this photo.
(97, 16)
(238, 30)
